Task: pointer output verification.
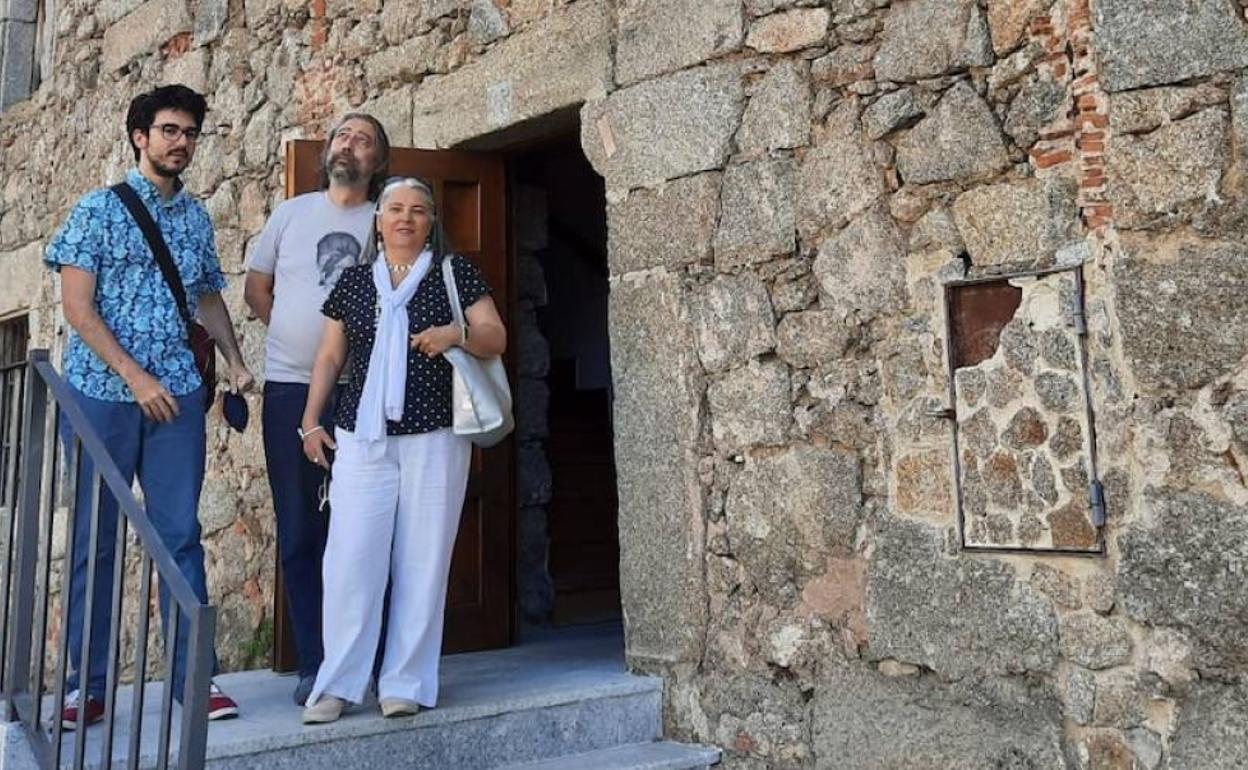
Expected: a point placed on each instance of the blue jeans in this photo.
(169, 461)
(301, 527)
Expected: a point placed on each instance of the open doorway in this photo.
(568, 543)
(538, 540)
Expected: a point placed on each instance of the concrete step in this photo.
(17, 753)
(658, 755)
(562, 695)
(478, 736)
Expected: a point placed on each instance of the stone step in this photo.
(658, 755)
(564, 694)
(479, 736)
(17, 753)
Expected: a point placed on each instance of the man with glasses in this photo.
(304, 247)
(133, 373)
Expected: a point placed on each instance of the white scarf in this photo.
(385, 385)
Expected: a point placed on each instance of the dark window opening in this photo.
(14, 335)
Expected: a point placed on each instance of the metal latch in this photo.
(1096, 498)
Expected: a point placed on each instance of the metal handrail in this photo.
(27, 578)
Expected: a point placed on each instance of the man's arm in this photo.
(262, 264)
(78, 303)
(215, 317)
(258, 294)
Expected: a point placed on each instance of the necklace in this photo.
(395, 267)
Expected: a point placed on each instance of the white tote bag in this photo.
(480, 395)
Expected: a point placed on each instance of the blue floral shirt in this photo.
(131, 297)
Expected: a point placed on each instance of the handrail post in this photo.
(193, 745)
(25, 553)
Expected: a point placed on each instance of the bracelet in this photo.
(463, 334)
(304, 434)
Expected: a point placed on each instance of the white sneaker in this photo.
(399, 707)
(325, 710)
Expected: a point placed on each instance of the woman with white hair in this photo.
(400, 472)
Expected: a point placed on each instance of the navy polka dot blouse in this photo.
(353, 301)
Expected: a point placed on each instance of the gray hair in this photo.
(437, 242)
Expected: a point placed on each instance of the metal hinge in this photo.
(1096, 499)
(1081, 321)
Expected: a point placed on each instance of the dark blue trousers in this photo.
(301, 527)
(169, 461)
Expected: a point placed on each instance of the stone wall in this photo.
(534, 589)
(790, 185)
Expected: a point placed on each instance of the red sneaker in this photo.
(220, 705)
(93, 711)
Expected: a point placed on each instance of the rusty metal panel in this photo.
(1023, 433)
(977, 314)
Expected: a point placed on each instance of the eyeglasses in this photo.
(171, 132)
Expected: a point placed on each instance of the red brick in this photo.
(1092, 145)
(1046, 160)
(1087, 102)
(177, 45)
(1092, 119)
(1056, 133)
(320, 27)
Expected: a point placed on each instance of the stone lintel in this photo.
(553, 65)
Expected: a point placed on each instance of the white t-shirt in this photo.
(306, 244)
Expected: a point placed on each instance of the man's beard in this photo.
(346, 173)
(169, 172)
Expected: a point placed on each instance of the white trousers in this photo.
(395, 508)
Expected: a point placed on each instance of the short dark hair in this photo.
(380, 173)
(143, 109)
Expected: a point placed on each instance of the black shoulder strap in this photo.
(160, 250)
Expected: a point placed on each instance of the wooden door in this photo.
(470, 191)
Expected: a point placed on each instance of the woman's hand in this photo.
(315, 441)
(435, 340)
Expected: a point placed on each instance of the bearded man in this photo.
(305, 245)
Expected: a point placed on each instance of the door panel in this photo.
(470, 192)
(1023, 452)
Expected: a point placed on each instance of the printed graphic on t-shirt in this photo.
(335, 253)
